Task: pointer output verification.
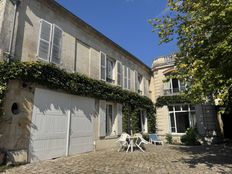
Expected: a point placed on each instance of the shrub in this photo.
(190, 138)
(146, 137)
(169, 138)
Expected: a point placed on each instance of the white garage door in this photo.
(61, 125)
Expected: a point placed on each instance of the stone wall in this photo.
(15, 123)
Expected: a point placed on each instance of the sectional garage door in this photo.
(61, 125)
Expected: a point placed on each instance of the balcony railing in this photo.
(174, 91)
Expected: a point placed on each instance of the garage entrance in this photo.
(61, 125)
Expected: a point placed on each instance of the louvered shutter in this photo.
(125, 83)
(102, 118)
(119, 73)
(129, 77)
(103, 66)
(56, 45)
(136, 82)
(119, 119)
(44, 40)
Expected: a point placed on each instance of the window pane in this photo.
(175, 85)
(172, 122)
(170, 108)
(177, 108)
(185, 107)
(182, 121)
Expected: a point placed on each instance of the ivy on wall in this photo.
(52, 77)
(171, 100)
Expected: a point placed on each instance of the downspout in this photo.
(9, 56)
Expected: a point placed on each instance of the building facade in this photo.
(37, 120)
(176, 118)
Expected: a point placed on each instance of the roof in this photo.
(100, 34)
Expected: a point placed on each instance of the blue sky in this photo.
(125, 22)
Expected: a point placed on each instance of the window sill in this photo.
(111, 137)
(178, 134)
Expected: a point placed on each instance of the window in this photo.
(107, 68)
(50, 42)
(127, 78)
(173, 86)
(110, 70)
(181, 118)
(138, 82)
(119, 74)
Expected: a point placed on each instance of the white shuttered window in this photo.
(119, 74)
(126, 77)
(103, 66)
(50, 42)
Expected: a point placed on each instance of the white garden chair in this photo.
(124, 141)
(140, 141)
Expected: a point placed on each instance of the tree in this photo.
(203, 29)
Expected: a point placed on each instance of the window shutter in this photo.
(125, 83)
(103, 66)
(146, 90)
(129, 78)
(44, 40)
(136, 82)
(119, 74)
(119, 119)
(56, 45)
(102, 118)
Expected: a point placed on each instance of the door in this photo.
(81, 126)
(61, 125)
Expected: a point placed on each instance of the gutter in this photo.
(9, 52)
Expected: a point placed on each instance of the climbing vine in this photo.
(52, 77)
(171, 100)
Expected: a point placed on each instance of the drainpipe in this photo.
(9, 53)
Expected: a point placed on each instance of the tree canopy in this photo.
(203, 29)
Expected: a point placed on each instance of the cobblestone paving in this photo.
(156, 159)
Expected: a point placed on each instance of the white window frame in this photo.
(174, 115)
(113, 70)
(49, 57)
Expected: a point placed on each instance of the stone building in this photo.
(176, 118)
(40, 123)
(36, 119)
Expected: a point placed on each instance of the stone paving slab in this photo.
(157, 159)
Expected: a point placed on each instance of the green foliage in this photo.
(171, 100)
(168, 138)
(53, 77)
(190, 138)
(203, 31)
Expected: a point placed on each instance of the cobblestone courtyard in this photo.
(157, 159)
